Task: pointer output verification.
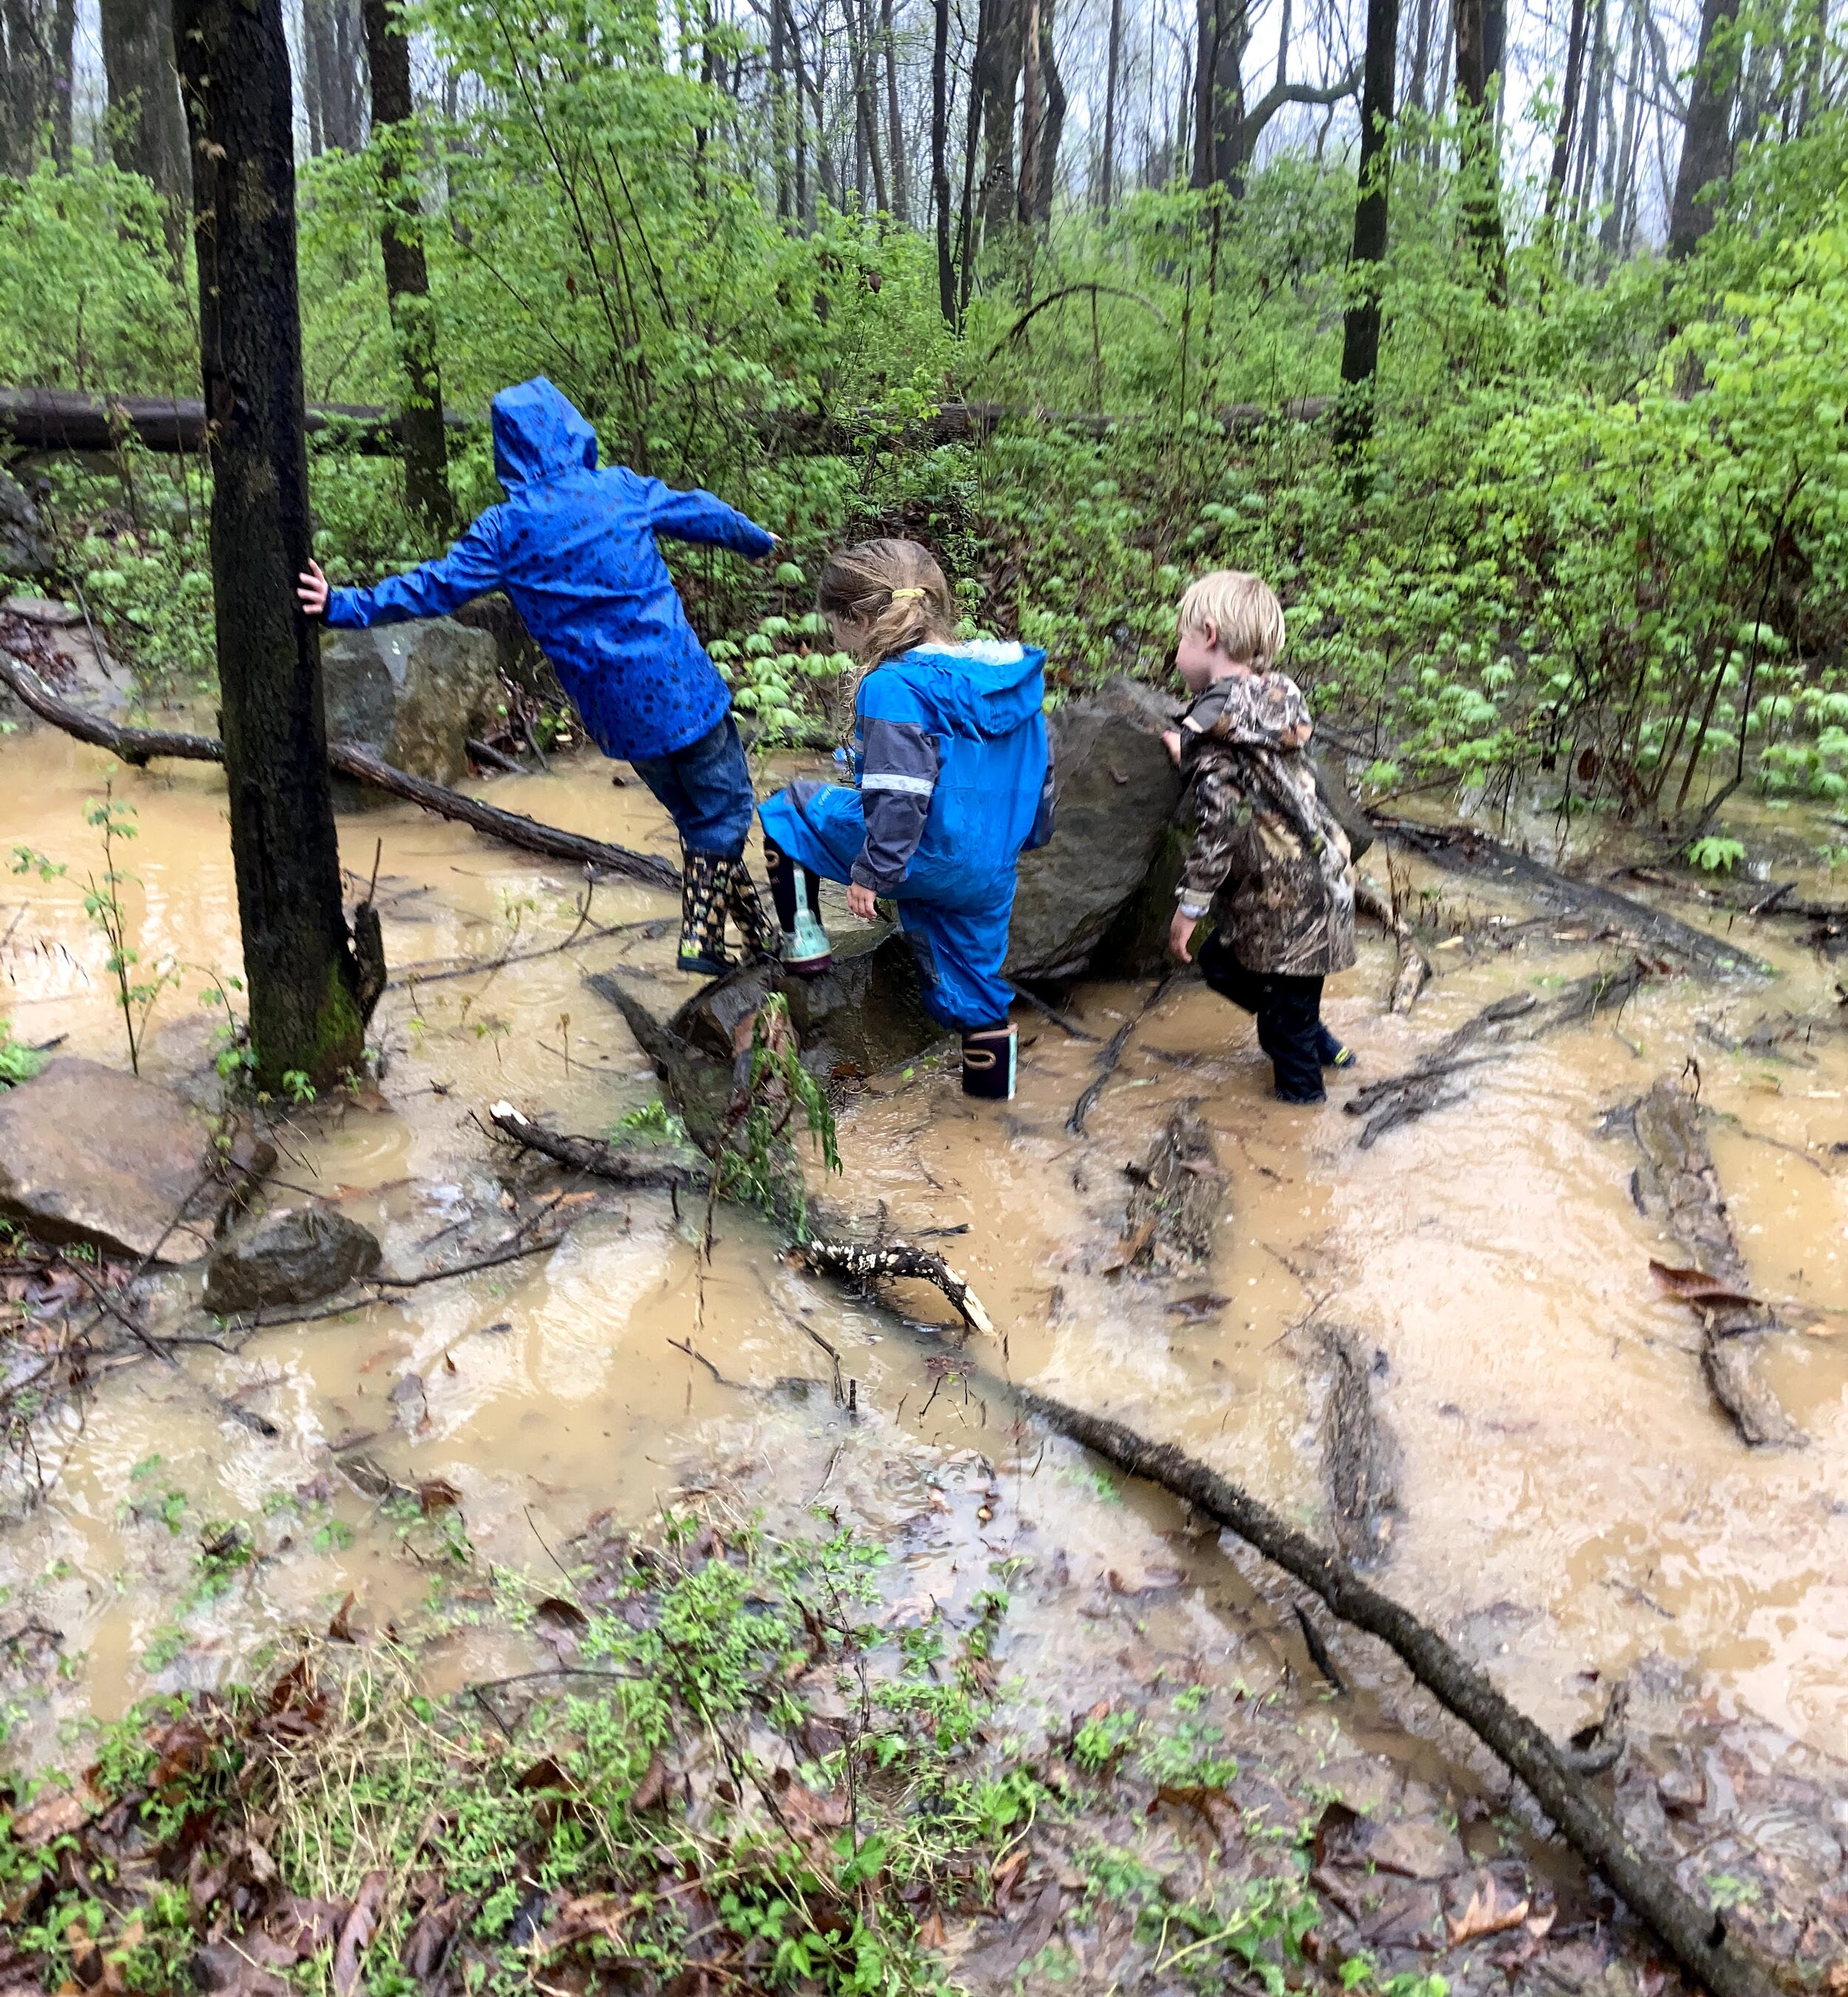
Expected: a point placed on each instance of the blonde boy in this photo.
(1267, 857)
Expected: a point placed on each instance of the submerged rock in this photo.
(91, 1153)
(1117, 794)
(410, 692)
(292, 1255)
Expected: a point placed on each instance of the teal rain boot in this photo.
(806, 948)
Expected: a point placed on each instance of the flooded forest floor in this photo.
(633, 1607)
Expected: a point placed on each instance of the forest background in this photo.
(1584, 515)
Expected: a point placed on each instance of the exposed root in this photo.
(866, 1264)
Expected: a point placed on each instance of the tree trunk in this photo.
(1561, 143)
(999, 55)
(895, 123)
(866, 113)
(64, 80)
(1481, 173)
(1596, 102)
(147, 128)
(299, 966)
(1360, 335)
(1114, 61)
(1611, 236)
(966, 226)
(1223, 29)
(27, 84)
(406, 277)
(1033, 112)
(1053, 131)
(332, 39)
(780, 112)
(1415, 97)
(1707, 138)
(940, 161)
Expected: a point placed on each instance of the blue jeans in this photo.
(706, 789)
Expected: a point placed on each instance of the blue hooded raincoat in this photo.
(575, 548)
(950, 781)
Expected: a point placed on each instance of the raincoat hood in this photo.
(986, 689)
(538, 435)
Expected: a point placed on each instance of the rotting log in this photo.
(1698, 1936)
(137, 745)
(1360, 1459)
(1461, 848)
(1510, 1022)
(45, 419)
(1178, 1187)
(1677, 1182)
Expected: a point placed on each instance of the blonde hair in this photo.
(893, 588)
(1246, 618)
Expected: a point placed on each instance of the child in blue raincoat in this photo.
(575, 548)
(951, 782)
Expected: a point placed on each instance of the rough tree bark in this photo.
(1000, 52)
(28, 83)
(1224, 28)
(64, 74)
(1360, 335)
(147, 128)
(1053, 129)
(299, 965)
(940, 161)
(1561, 141)
(1707, 138)
(406, 276)
(1482, 178)
(1033, 110)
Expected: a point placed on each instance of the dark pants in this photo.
(706, 789)
(1289, 1011)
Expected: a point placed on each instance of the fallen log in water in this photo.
(1178, 1188)
(1413, 973)
(1360, 1460)
(1461, 848)
(1677, 1183)
(1510, 1022)
(137, 745)
(1698, 1936)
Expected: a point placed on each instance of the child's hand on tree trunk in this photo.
(311, 590)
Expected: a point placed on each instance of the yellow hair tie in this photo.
(898, 596)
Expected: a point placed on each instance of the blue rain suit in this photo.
(951, 782)
(575, 548)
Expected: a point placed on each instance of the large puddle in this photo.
(1572, 1501)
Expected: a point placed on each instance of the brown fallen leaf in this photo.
(1132, 1245)
(339, 1628)
(1485, 1915)
(361, 1923)
(600, 1915)
(1695, 1286)
(57, 1815)
(427, 1945)
(437, 1494)
(1206, 1304)
(652, 1789)
(566, 1618)
(931, 1933)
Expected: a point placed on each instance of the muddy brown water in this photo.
(1572, 1502)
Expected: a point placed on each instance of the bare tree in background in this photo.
(303, 977)
(406, 275)
(147, 128)
(333, 74)
(1360, 332)
(1113, 68)
(1707, 138)
(1479, 161)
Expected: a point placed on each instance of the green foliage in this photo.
(17, 1062)
(1716, 855)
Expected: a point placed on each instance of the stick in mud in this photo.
(1360, 1457)
(1696, 1936)
(1112, 1054)
(135, 746)
(1178, 1187)
(1677, 1181)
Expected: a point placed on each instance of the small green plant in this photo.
(1714, 854)
(17, 1062)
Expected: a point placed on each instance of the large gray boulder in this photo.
(90, 1153)
(26, 547)
(410, 692)
(292, 1255)
(1117, 792)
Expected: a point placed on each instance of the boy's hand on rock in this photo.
(863, 901)
(1180, 933)
(311, 591)
(1171, 742)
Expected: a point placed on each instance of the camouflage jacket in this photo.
(1266, 853)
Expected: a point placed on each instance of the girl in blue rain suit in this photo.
(951, 782)
(575, 548)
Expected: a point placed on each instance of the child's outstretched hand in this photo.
(1180, 933)
(311, 590)
(1171, 742)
